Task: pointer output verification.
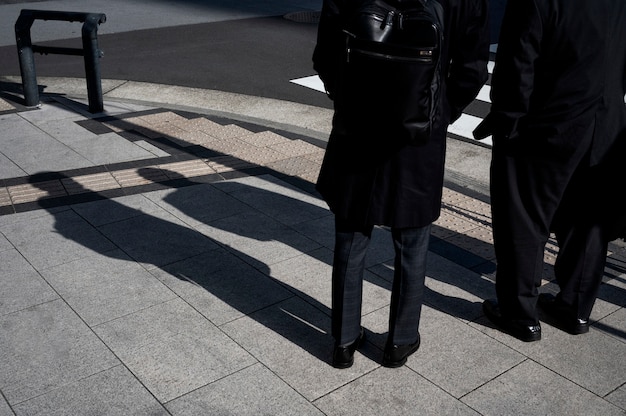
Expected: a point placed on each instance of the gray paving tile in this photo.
(455, 289)
(457, 357)
(221, 286)
(387, 391)
(55, 238)
(605, 304)
(155, 151)
(8, 169)
(5, 244)
(618, 397)
(49, 347)
(157, 239)
(20, 285)
(614, 325)
(32, 150)
(376, 324)
(108, 211)
(103, 288)
(291, 339)
(67, 131)
(530, 389)
(25, 217)
(612, 292)
(50, 110)
(574, 357)
(16, 128)
(5, 410)
(111, 392)
(259, 237)
(320, 230)
(309, 275)
(284, 208)
(198, 204)
(577, 359)
(277, 199)
(252, 391)
(172, 349)
(109, 148)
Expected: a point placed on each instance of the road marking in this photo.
(314, 82)
(462, 127)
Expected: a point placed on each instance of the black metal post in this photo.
(90, 52)
(92, 57)
(27, 59)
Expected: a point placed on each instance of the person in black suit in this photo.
(558, 122)
(371, 179)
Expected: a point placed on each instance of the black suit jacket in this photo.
(560, 69)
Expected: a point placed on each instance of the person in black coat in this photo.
(370, 180)
(558, 121)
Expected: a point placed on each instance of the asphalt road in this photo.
(254, 56)
(248, 46)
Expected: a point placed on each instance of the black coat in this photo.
(560, 67)
(560, 76)
(373, 180)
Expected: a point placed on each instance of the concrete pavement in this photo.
(161, 258)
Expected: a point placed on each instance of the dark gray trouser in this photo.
(411, 248)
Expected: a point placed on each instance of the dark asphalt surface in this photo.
(256, 56)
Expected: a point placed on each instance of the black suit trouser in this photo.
(535, 191)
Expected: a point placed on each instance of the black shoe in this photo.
(564, 316)
(396, 355)
(343, 357)
(526, 333)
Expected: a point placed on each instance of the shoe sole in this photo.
(342, 366)
(531, 338)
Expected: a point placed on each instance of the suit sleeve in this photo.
(469, 56)
(513, 79)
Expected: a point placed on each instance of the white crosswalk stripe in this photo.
(462, 128)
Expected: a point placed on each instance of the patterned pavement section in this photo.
(5, 106)
(181, 143)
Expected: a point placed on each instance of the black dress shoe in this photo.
(343, 356)
(526, 333)
(396, 355)
(565, 318)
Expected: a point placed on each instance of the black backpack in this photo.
(391, 79)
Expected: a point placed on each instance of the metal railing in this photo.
(89, 51)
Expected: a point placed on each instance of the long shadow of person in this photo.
(261, 220)
(267, 236)
(207, 270)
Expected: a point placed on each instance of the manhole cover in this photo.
(304, 17)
